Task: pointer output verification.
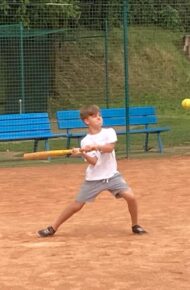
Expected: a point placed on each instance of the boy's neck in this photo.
(94, 131)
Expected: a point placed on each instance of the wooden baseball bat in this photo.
(46, 154)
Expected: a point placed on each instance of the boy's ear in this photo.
(86, 121)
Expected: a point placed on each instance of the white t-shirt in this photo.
(106, 165)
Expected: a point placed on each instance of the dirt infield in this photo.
(96, 249)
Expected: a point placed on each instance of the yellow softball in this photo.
(186, 104)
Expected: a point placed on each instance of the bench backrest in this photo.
(24, 124)
(70, 119)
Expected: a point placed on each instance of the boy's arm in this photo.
(91, 160)
(106, 148)
(82, 152)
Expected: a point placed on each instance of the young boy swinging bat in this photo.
(98, 149)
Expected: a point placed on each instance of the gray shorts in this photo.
(91, 189)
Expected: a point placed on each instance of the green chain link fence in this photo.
(58, 55)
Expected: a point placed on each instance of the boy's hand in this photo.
(84, 149)
(88, 148)
(76, 151)
(90, 159)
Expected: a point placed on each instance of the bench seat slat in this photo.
(143, 131)
(121, 132)
(24, 116)
(22, 122)
(133, 111)
(29, 136)
(25, 128)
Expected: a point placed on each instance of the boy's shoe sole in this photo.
(48, 232)
(138, 230)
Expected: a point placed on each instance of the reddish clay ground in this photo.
(95, 249)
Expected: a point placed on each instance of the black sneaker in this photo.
(49, 231)
(138, 230)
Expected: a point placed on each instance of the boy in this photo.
(97, 148)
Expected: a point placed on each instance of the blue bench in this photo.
(27, 126)
(140, 119)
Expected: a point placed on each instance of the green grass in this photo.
(159, 73)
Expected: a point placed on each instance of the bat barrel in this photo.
(46, 154)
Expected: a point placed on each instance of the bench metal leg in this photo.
(47, 148)
(46, 145)
(68, 142)
(146, 142)
(160, 143)
(79, 142)
(35, 145)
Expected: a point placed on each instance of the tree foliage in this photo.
(43, 13)
(165, 13)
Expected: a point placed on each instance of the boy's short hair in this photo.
(89, 110)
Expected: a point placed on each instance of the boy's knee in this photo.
(77, 206)
(128, 195)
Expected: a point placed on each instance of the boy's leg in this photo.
(133, 210)
(71, 209)
(132, 205)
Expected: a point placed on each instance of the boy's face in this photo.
(95, 121)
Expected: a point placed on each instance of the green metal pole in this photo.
(22, 100)
(106, 65)
(126, 85)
